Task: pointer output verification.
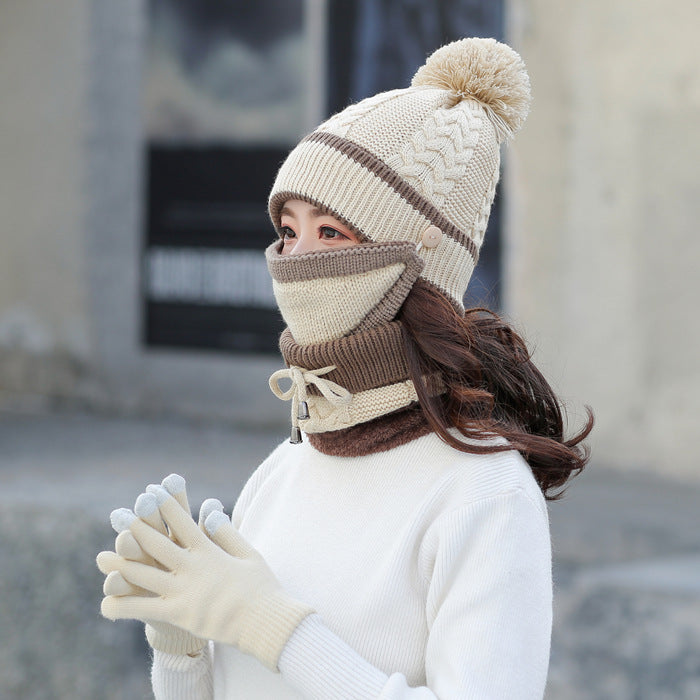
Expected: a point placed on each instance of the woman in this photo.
(402, 549)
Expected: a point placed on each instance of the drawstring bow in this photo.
(301, 378)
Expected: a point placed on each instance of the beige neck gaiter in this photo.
(342, 345)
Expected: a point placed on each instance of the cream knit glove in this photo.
(218, 588)
(160, 635)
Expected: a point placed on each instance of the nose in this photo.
(299, 248)
(305, 242)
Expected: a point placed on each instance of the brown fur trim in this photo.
(377, 435)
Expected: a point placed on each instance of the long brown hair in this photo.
(493, 387)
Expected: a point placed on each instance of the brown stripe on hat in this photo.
(364, 360)
(379, 168)
(340, 262)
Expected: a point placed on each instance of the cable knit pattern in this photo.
(340, 123)
(435, 158)
(430, 570)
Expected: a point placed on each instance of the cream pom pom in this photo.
(486, 71)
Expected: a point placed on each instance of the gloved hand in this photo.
(160, 635)
(218, 588)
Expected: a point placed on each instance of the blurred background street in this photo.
(138, 143)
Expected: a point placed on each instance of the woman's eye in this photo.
(331, 233)
(287, 233)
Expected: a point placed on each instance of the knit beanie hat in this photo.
(414, 173)
(418, 164)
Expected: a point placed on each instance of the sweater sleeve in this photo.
(176, 677)
(488, 610)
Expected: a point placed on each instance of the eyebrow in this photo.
(285, 210)
(315, 211)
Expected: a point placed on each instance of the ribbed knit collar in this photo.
(363, 360)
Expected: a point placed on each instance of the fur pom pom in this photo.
(486, 71)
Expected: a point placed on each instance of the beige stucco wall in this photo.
(43, 304)
(603, 251)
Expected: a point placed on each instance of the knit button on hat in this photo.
(400, 162)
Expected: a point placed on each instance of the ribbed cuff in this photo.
(268, 626)
(323, 667)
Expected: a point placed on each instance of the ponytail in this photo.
(492, 388)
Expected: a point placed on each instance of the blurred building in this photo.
(601, 246)
(133, 136)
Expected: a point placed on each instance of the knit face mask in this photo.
(325, 295)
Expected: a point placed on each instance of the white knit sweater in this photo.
(429, 568)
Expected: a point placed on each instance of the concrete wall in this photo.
(602, 247)
(71, 148)
(43, 296)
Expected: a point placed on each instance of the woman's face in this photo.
(305, 228)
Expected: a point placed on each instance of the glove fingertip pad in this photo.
(214, 521)
(159, 492)
(209, 506)
(174, 483)
(146, 504)
(121, 519)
